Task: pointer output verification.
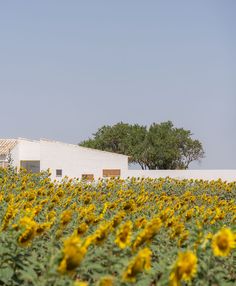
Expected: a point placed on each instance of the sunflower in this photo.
(42, 227)
(88, 241)
(10, 214)
(73, 254)
(82, 228)
(189, 214)
(102, 233)
(183, 237)
(118, 218)
(66, 217)
(148, 233)
(27, 236)
(140, 222)
(106, 281)
(29, 226)
(184, 268)
(177, 230)
(141, 262)
(80, 283)
(123, 235)
(223, 242)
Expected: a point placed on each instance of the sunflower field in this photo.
(116, 232)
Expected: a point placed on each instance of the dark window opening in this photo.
(31, 166)
(59, 172)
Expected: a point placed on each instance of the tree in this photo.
(171, 148)
(110, 138)
(161, 146)
(190, 150)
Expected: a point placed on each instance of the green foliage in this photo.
(161, 146)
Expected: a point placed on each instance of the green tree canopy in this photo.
(161, 146)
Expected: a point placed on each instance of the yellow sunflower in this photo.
(123, 235)
(29, 227)
(141, 262)
(80, 283)
(223, 242)
(147, 234)
(73, 253)
(106, 281)
(184, 268)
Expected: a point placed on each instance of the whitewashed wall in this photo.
(75, 160)
(15, 156)
(225, 175)
(25, 150)
(29, 150)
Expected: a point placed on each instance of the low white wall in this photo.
(225, 175)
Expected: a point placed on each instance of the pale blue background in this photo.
(68, 67)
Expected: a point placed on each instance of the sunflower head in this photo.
(184, 268)
(123, 235)
(140, 263)
(106, 281)
(73, 254)
(223, 242)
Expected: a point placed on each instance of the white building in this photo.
(62, 159)
(79, 162)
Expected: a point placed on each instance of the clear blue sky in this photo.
(69, 67)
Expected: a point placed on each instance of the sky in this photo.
(70, 67)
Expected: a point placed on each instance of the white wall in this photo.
(75, 160)
(25, 150)
(225, 175)
(15, 156)
(29, 150)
